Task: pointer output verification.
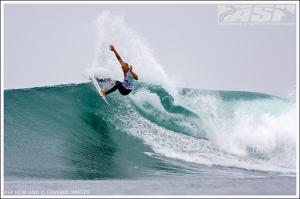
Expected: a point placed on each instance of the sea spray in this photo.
(112, 29)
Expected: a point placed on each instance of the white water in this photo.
(265, 128)
(243, 138)
(258, 135)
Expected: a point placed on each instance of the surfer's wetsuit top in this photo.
(124, 87)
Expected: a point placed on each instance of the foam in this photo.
(263, 129)
(251, 134)
(191, 149)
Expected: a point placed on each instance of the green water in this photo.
(67, 132)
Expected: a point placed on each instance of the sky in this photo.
(47, 44)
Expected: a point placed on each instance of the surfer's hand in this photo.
(111, 47)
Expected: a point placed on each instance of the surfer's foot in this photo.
(103, 93)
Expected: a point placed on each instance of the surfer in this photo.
(126, 86)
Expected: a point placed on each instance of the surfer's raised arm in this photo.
(112, 48)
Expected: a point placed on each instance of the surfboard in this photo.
(97, 86)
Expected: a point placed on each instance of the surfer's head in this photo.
(125, 66)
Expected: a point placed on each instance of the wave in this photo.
(68, 132)
(232, 129)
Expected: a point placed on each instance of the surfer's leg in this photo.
(123, 90)
(114, 88)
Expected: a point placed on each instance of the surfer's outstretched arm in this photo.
(112, 48)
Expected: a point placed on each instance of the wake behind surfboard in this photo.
(98, 88)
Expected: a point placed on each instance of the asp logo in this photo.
(257, 14)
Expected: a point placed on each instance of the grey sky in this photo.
(52, 44)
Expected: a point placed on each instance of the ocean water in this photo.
(67, 133)
(160, 139)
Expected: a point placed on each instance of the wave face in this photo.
(68, 132)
